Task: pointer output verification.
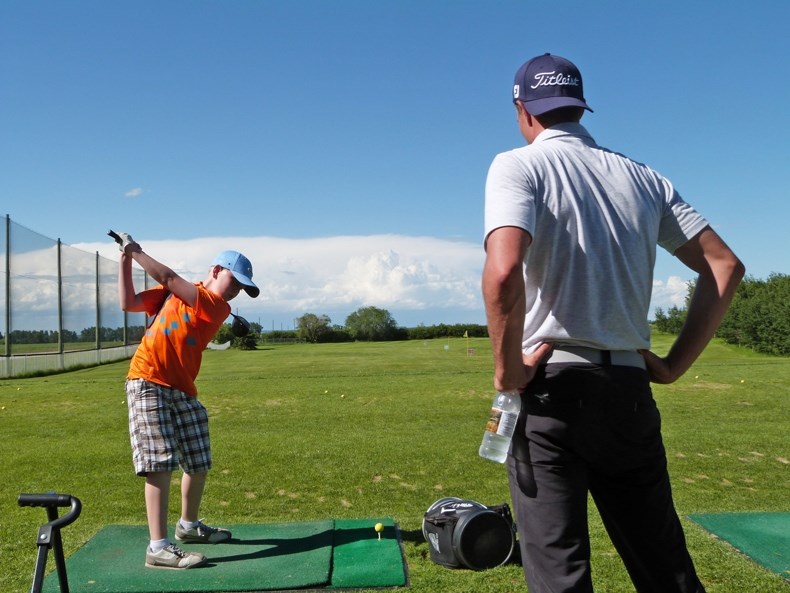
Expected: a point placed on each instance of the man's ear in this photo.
(528, 115)
(522, 112)
(215, 270)
(530, 122)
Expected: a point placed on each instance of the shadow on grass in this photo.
(413, 536)
(274, 546)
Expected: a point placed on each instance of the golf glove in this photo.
(126, 239)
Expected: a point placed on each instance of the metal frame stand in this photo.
(49, 534)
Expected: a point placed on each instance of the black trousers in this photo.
(595, 429)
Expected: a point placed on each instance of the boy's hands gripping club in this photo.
(123, 240)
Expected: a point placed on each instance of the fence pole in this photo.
(7, 285)
(60, 302)
(126, 320)
(98, 306)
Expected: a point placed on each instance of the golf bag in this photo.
(468, 534)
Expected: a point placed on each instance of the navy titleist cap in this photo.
(548, 82)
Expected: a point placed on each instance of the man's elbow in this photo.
(740, 270)
(501, 279)
(734, 269)
(502, 292)
(727, 272)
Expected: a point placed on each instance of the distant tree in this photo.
(371, 324)
(337, 333)
(69, 335)
(759, 317)
(37, 336)
(135, 333)
(313, 328)
(248, 342)
(460, 330)
(282, 334)
(224, 334)
(670, 322)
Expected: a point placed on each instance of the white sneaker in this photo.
(173, 557)
(202, 533)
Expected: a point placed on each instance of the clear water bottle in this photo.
(500, 426)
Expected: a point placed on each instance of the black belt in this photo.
(582, 354)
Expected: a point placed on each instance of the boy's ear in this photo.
(215, 270)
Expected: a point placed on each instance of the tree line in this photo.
(106, 334)
(758, 319)
(375, 324)
(370, 324)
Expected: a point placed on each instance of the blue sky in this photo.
(344, 145)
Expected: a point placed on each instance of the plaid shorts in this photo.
(168, 429)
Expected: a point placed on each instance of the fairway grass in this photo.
(306, 432)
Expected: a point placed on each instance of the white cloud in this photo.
(418, 279)
(133, 193)
(337, 275)
(669, 293)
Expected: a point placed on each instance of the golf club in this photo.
(240, 326)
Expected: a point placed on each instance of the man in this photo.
(168, 425)
(571, 231)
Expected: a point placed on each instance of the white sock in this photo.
(158, 544)
(188, 524)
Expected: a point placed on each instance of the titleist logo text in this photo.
(554, 79)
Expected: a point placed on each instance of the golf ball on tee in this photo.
(379, 527)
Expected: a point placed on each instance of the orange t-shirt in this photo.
(171, 350)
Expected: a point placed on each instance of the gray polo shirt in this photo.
(595, 218)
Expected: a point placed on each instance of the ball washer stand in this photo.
(49, 533)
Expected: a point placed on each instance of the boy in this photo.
(168, 426)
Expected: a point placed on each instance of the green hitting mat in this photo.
(763, 537)
(331, 554)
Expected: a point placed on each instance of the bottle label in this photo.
(501, 422)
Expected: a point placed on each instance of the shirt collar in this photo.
(564, 129)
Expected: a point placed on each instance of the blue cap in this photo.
(241, 268)
(548, 82)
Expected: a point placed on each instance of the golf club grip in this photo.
(44, 500)
(115, 236)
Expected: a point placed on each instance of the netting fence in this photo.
(60, 306)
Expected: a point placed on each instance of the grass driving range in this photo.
(308, 432)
